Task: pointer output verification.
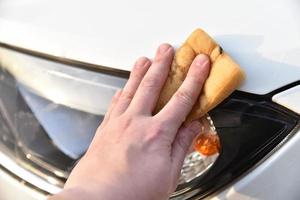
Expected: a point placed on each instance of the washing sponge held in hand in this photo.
(225, 75)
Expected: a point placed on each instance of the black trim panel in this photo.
(67, 61)
(251, 128)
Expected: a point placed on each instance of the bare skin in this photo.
(135, 155)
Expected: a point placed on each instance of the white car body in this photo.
(262, 36)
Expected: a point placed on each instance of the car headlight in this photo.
(49, 111)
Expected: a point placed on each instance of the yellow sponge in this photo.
(225, 75)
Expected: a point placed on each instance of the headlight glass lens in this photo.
(196, 163)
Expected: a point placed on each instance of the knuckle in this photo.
(184, 98)
(159, 129)
(137, 72)
(161, 60)
(125, 121)
(117, 95)
(126, 95)
(114, 98)
(197, 80)
(183, 144)
(150, 83)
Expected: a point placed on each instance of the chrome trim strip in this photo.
(27, 176)
(67, 61)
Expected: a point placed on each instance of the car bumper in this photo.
(12, 187)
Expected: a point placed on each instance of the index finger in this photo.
(148, 91)
(181, 103)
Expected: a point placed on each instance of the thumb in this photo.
(181, 145)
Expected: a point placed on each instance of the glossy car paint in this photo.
(263, 36)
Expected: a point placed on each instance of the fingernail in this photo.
(163, 48)
(201, 60)
(142, 62)
(118, 93)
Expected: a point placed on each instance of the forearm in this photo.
(91, 194)
(74, 194)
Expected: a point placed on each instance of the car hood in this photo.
(262, 36)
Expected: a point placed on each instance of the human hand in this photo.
(135, 155)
